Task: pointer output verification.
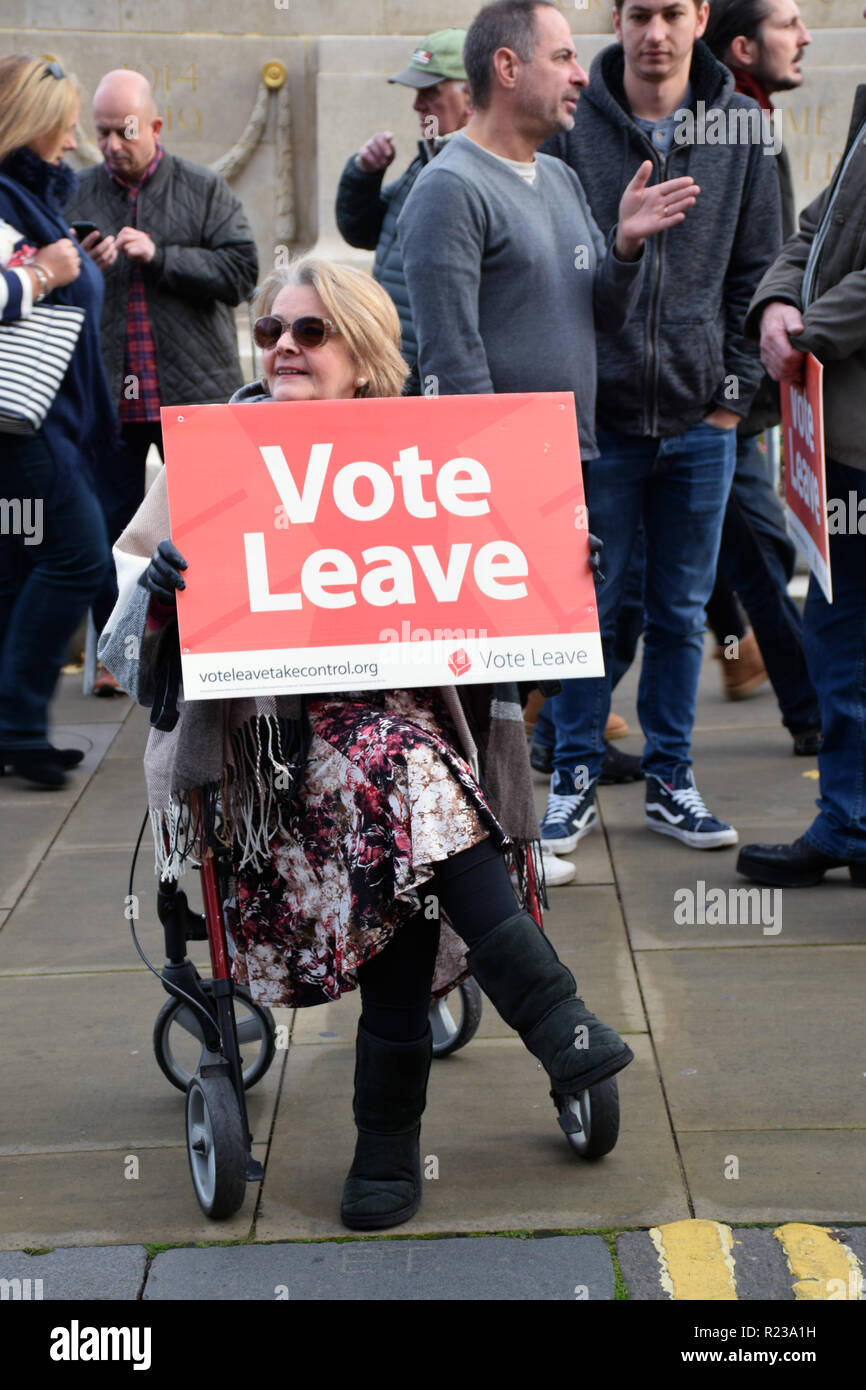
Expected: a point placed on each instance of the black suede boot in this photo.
(535, 993)
(383, 1187)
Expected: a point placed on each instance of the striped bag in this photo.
(34, 355)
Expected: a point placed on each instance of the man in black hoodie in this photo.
(673, 383)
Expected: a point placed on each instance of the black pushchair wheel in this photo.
(454, 1019)
(590, 1120)
(215, 1145)
(178, 1039)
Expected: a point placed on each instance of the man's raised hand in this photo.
(377, 153)
(645, 210)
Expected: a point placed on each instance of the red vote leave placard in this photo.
(369, 544)
(805, 475)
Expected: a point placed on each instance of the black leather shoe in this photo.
(619, 767)
(66, 757)
(541, 757)
(808, 743)
(799, 865)
(37, 765)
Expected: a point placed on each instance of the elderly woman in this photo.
(337, 864)
(48, 579)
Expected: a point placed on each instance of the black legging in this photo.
(475, 890)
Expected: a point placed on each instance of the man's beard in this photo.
(775, 84)
(553, 118)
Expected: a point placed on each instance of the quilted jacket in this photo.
(367, 217)
(205, 264)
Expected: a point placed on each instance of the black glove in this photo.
(162, 578)
(595, 548)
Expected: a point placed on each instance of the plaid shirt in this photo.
(140, 361)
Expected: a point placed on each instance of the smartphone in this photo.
(83, 229)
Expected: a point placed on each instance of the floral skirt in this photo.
(385, 798)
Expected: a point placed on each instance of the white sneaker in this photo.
(556, 871)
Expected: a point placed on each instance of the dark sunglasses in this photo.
(308, 331)
(53, 70)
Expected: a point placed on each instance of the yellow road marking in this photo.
(695, 1260)
(813, 773)
(823, 1268)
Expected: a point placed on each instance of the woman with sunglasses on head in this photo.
(47, 578)
(350, 814)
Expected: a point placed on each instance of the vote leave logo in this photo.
(459, 662)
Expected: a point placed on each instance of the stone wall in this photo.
(205, 59)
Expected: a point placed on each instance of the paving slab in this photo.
(106, 1272)
(78, 1199)
(670, 895)
(85, 1045)
(490, 1133)
(72, 915)
(29, 827)
(760, 1269)
(785, 1174)
(501, 1268)
(753, 1039)
(71, 706)
(110, 810)
(131, 740)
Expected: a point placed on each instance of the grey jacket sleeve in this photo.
(834, 325)
(131, 653)
(442, 232)
(616, 284)
(224, 263)
(784, 279)
(616, 287)
(756, 244)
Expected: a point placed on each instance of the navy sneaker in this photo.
(569, 816)
(676, 808)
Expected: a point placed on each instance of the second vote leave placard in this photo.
(346, 545)
(805, 475)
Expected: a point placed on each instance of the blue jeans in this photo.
(756, 560)
(629, 626)
(45, 588)
(835, 640)
(678, 488)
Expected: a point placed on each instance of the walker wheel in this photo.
(215, 1146)
(590, 1120)
(454, 1027)
(178, 1040)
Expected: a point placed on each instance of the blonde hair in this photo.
(362, 311)
(31, 103)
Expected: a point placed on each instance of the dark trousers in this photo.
(475, 890)
(835, 636)
(120, 484)
(756, 560)
(47, 581)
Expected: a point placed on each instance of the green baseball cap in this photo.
(438, 58)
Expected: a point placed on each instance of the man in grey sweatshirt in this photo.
(506, 269)
(505, 266)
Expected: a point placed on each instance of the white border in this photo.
(397, 665)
